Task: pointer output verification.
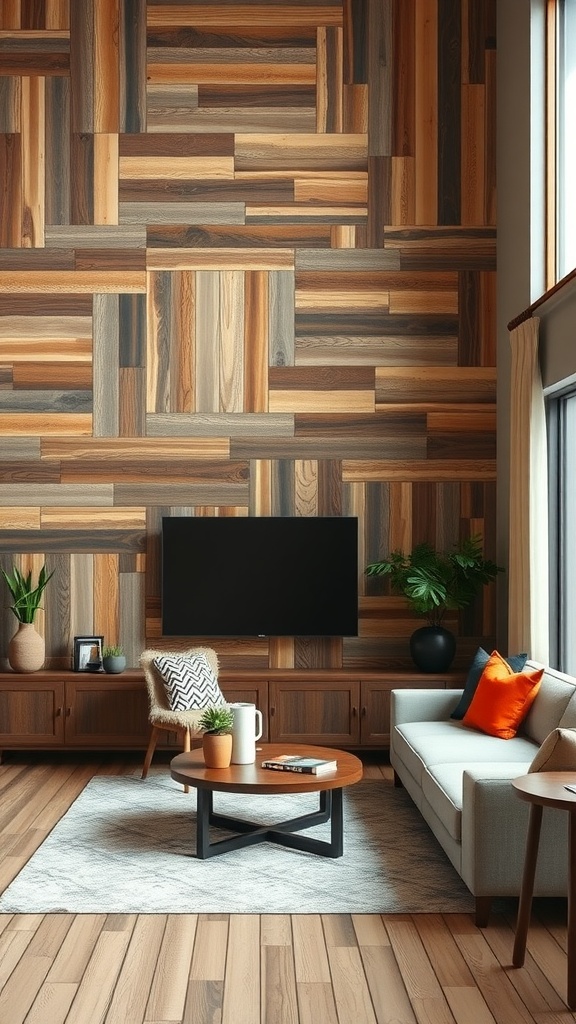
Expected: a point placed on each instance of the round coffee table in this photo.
(540, 790)
(190, 770)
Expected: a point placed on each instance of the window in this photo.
(565, 137)
(561, 409)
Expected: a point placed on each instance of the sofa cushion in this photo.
(557, 753)
(421, 745)
(479, 662)
(550, 708)
(502, 699)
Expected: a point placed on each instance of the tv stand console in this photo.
(60, 709)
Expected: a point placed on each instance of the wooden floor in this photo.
(246, 969)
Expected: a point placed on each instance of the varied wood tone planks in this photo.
(247, 267)
(299, 969)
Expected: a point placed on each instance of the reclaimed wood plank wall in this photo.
(247, 267)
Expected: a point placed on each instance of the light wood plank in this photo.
(154, 167)
(130, 996)
(168, 991)
(410, 472)
(95, 518)
(232, 74)
(218, 259)
(81, 281)
(244, 14)
(241, 1004)
(321, 401)
(209, 957)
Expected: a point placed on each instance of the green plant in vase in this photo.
(216, 723)
(26, 650)
(436, 582)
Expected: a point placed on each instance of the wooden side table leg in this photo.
(525, 904)
(571, 997)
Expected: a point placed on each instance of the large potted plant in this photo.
(433, 583)
(216, 723)
(27, 649)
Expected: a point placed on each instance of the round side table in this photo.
(540, 790)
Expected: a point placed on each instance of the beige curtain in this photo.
(528, 549)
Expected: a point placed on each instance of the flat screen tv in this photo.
(260, 576)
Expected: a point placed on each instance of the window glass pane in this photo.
(567, 553)
(566, 136)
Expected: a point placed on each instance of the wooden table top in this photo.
(190, 770)
(547, 789)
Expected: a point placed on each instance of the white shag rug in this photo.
(128, 846)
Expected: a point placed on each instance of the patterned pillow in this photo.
(190, 682)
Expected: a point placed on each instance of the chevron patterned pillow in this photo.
(190, 682)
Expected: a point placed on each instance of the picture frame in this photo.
(87, 655)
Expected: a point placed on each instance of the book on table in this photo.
(294, 763)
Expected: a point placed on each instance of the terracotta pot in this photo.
(27, 649)
(217, 749)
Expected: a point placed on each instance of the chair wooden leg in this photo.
(187, 751)
(150, 750)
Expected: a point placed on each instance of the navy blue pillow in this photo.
(516, 662)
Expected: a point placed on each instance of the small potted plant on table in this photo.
(216, 723)
(113, 659)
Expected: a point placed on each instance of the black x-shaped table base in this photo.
(250, 833)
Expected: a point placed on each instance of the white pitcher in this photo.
(245, 732)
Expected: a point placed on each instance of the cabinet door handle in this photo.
(68, 710)
(354, 711)
(58, 712)
(363, 712)
(272, 712)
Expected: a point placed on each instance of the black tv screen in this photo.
(260, 576)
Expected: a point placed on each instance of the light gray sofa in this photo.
(459, 779)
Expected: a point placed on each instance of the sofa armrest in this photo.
(494, 832)
(422, 705)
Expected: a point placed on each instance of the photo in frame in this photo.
(87, 656)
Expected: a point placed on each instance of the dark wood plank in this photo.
(82, 68)
(132, 330)
(109, 259)
(321, 378)
(207, 38)
(128, 540)
(449, 107)
(81, 178)
(133, 66)
(57, 201)
(256, 95)
(373, 324)
(45, 304)
(273, 190)
(240, 236)
(176, 144)
(355, 44)
(10, 189)
(403, 80)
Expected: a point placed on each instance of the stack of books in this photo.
(293, 763)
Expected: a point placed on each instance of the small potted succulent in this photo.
(113, 659)
(216, 723)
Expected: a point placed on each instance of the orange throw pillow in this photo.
(503, 698)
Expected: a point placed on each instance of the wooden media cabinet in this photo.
(64, 710)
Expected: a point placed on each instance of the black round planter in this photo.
(432, 648)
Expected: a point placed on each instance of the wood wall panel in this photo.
(247, 267)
